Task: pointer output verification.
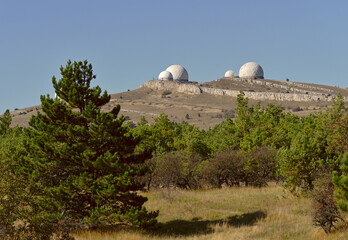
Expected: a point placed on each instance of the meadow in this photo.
(226, 213)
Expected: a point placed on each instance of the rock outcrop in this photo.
(289, 86)
(195, 88)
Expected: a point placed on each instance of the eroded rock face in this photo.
(290, 86)
(189, 88)
(160, 85)
(194, 88)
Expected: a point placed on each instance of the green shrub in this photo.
(224, 167)
(176, 169)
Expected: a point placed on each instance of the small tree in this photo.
(13, 188)
(260, 167)
(176, 169)
(324, 203)
(5, 122)
(81, 161)
(225, 167)
(167, 171)
(341, 184)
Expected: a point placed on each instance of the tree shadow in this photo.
(194, 227)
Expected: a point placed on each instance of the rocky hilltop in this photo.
(298, 92)
(206, 104)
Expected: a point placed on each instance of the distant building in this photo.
(251, 70)
(178, 73)
(165, 75)
(230, 74)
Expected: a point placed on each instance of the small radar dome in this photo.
(230, 74)
(165, 75)
(251, 70)
(179, 73)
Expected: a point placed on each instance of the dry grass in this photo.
(205, 110)
(228, 213)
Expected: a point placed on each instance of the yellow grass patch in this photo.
(228, 213)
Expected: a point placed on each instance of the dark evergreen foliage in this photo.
(81, 162)
(5, 122)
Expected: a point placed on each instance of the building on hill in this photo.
(165, 75)
(178, 73)
(251, 70)
(230, 74)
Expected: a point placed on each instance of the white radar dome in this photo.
(165, 75)
(179, 73)
(251, 70)
(230, 74)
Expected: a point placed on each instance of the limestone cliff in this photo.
(305, 93)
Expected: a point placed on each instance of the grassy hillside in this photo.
(228, 213)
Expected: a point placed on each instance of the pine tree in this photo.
(82, 161)
(5, 122)
(341, 184)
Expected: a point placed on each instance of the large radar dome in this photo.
(165, 75)
(179, 73)
(251, 70)
(230, 74)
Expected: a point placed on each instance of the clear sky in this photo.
(131, 41)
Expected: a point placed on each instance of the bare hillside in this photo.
(183, 102)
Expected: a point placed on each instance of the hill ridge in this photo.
(207, 104)
(294, 93)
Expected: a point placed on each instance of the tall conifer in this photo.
(82, 160)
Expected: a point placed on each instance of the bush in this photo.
(297, 109)
(231, 167)
(165, 93)
(324, 204)
(260, 167)
(230, 114)
(175, 169)
(224, 168)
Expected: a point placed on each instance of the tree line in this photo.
(76, 165)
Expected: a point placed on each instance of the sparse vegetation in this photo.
(166, 93)
(297, 109)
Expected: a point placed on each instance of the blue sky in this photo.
(129, 42)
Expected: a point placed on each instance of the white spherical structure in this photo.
(179, 73)
(230, 74)
(165, 75)
(251, 70)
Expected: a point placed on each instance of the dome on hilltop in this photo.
(165, 75)
(179, 73)
(230, 74)
(251, 70)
